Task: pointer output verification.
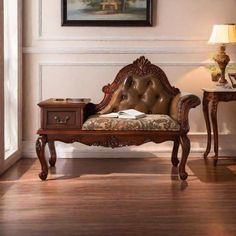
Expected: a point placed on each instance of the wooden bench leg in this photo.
(174, 157)
(40, 150)
(185, 143)
(53, 157)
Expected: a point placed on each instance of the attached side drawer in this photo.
(62, 119)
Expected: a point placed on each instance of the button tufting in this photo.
(149, 82)
(123, 97)
(149, 112)
(130, 81)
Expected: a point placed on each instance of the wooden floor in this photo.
(119, 197)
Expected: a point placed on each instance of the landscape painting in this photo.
(106, 12)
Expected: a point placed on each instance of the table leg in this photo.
(215, 128)
(174, 157)
(205, 107)
(40, 150)
(53, 158)
(185, 143)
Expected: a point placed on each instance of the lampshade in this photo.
(225, 33)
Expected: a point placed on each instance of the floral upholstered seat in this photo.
(157, 122)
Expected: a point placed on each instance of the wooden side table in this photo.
(57, 115)
(63, 114)
(211, 98)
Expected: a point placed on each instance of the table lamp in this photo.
(222, 34)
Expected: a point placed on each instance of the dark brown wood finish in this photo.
(53, 154)
(62, 114)
(211, 99)
(65, 125)
(40, 150)
(174, 157)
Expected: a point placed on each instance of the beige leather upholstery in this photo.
(145, 94)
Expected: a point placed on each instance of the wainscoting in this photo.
(77, 61)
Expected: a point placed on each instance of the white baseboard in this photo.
(198, 145)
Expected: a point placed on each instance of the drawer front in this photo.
(62, 119)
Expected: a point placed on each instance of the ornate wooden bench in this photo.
(142, 86)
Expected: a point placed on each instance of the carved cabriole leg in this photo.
(185, 143)
(205, 107)
(174, 157)
(40, 150)
(53, 157)
(215, 129)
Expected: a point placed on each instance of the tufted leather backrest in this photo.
(145, 94)
(141, 86)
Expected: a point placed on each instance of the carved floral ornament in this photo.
(141, 66)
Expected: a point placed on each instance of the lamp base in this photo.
(222, 82)
(222, 60)
(224, 85)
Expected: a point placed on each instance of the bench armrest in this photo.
(180, 107)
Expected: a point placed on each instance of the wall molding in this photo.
(120, 38)
(40, 19)
(43, 64)
(41, 37)
(120, 50)
(123, 63)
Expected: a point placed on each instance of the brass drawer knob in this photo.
(61, 120)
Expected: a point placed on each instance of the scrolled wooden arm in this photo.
(180, 107)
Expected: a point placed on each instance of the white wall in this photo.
(78, 61)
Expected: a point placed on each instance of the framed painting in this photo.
(232, 77)
(106, 12)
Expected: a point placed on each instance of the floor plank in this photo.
(119, 197)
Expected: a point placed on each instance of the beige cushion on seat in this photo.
(149, 122)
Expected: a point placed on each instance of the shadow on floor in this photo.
(203, 170)
(18, 169)
(102, 166)
(207, 172)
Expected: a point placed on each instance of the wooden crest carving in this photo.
(141, 66)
